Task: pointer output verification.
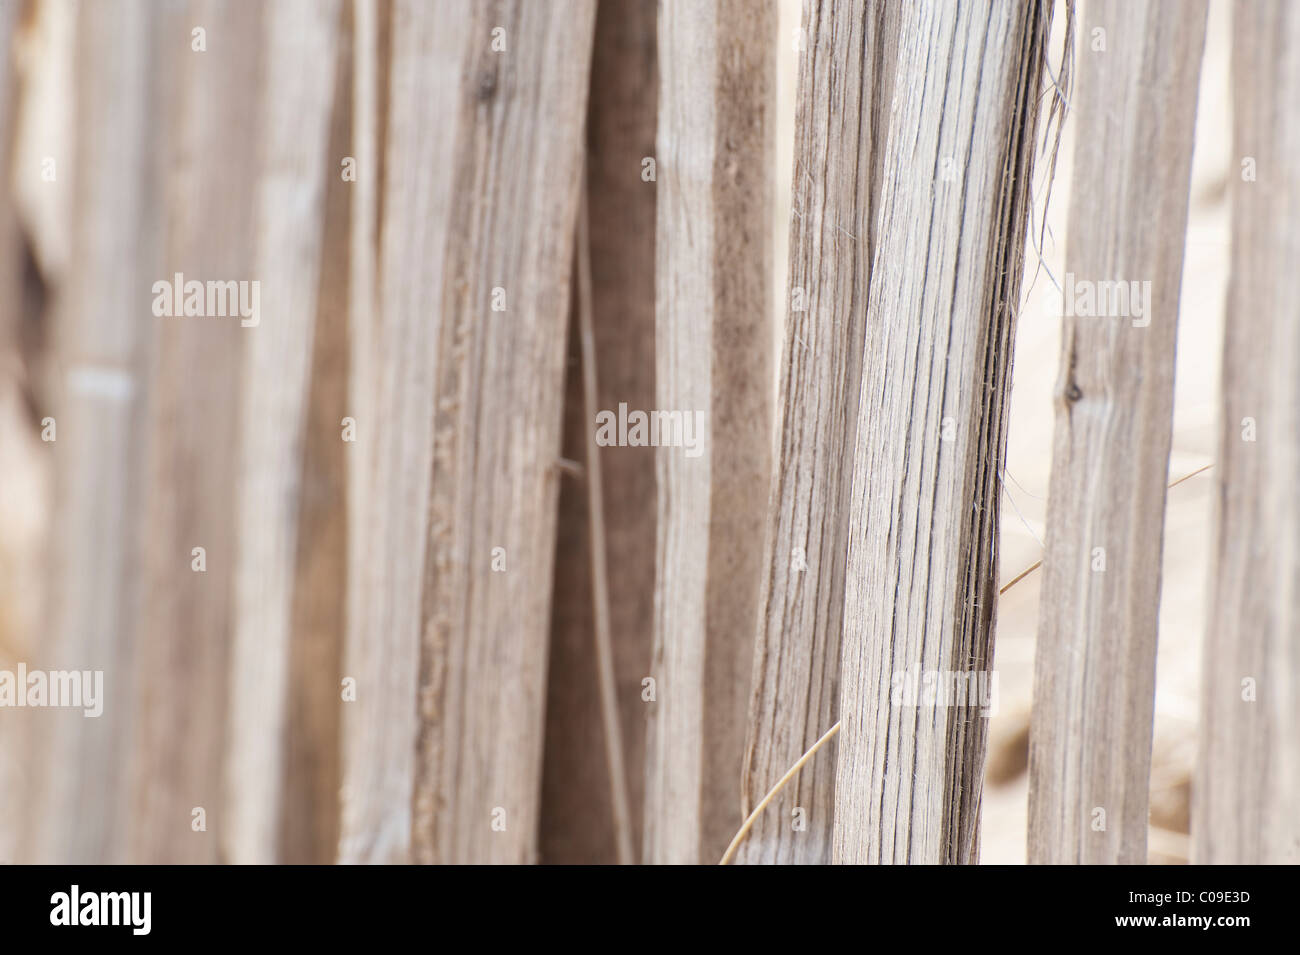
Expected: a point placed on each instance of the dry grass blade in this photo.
(772, 794)
(1038, 563)
(599, 568)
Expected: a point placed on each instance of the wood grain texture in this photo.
(381, 651)
(1094, 682)
(577, 824)
(1248, 777)
(481, 179)
(923, 522)
(274, 507)
(712, 355)
(100, 357)
(372, 36)
(844, 88)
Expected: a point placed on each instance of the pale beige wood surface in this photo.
(209, 189)
(845, 85)
(381, 653)
(1090, 748)
(1248, 774)
(276, 478)
(482, 170)
(712, 355)
(372, 33)
(309, 803)
(578, 815)
(922, 570)
(13, 318)
(15, 379)
(79, 802)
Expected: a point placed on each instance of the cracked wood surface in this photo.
(923, 520)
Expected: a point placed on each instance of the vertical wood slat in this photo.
(209, 174)
(712, 355)
(98, 502)
(844, 88)
(497, 437)
(1248, 774)
(1094, 681)
(922, 568)
(481, 180)
(578, 824)
(196, 179)
(274, 503)
(309, 802)
(381, 652)
(371, 67)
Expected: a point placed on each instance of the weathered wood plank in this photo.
(481, 178)
(100, 355)
(712, 356)
(209, 171)
(1094, 682)
(381, 653)
(309, 813)
(1248, 775)
(845, 84)
(12, 318)
(276, 512)
(578, 814)
(923, 524)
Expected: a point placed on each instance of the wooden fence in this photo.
(417, 467)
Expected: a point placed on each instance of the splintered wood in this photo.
(923, 516)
